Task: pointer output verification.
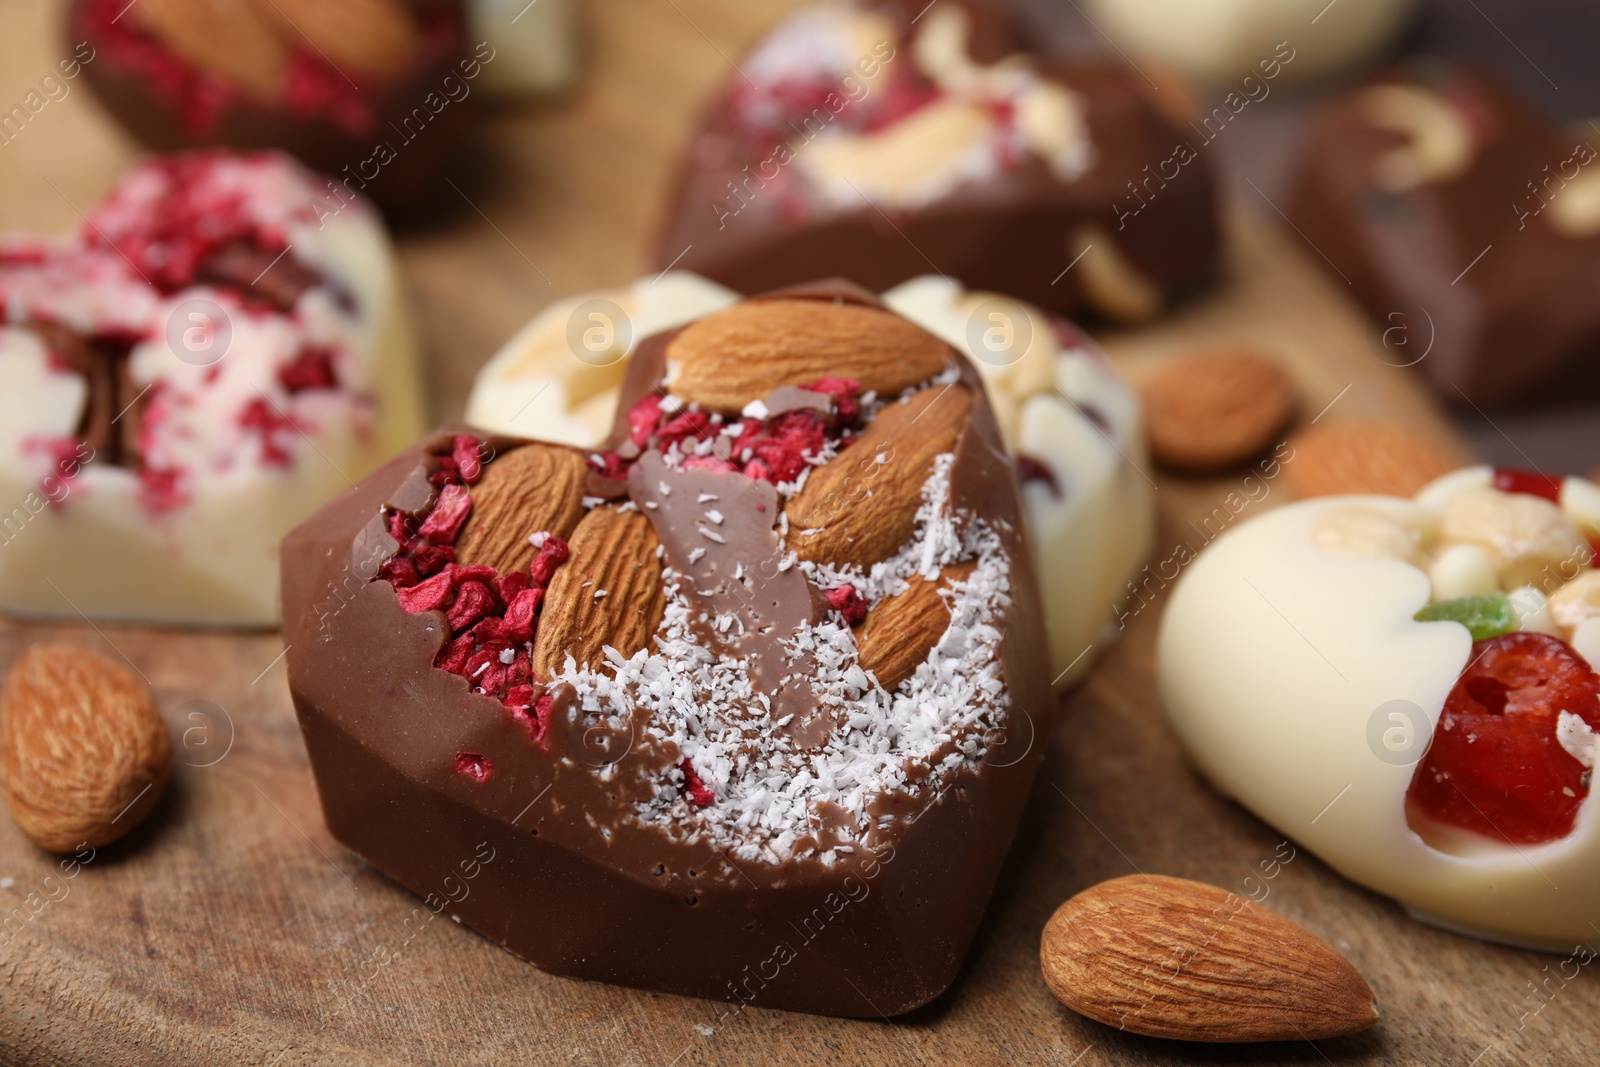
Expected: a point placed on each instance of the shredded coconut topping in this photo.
(769, 790)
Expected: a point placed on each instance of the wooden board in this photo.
(232, 929)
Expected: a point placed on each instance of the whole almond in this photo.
(83, 749)
(230, 40)
(1363, 457)
(731, 357)
(1215, 409)
(862, 507)
(607, 593)
(1167, 957)
(901, 629)
(531, 489)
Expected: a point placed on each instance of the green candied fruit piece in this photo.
(1483, 616)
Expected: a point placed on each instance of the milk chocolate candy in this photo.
(744, 705)
(370, 92)
(1468, 226)
(887, 144)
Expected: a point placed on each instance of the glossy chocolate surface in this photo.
(742, 222)
(390, 142)
(562, 872)
(1466, 277)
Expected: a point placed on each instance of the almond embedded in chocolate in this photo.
(732, 357)
(900, 632)
(861, 511)
(231, 41)
(529, 490)
(607, 595)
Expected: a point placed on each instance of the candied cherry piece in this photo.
(1495, 766)
(1529, 482)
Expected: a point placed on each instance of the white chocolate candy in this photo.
(535, 45)
(1300, 683)
(1065, 408)
(232, 451)
(1223, 41)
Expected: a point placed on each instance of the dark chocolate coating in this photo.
(878, 933)
(1516, 325)
(1010, 233)
(405, 187)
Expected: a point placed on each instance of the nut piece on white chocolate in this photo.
(1526, 538)
(1463, 570)
(1365, 533)
(214, 354)
(1575, 603)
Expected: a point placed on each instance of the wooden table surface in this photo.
(231, 928)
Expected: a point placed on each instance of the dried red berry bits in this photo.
(492, 614)
(1501, 763)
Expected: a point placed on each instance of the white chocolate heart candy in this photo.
(1300, 682)
(250, 358)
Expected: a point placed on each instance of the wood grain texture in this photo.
(232, 929)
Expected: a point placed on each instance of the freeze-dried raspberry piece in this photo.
(610, 465)
(843, 391)
(519, 614)
(460, 574)
(431, 559)
(468, 459)
(643, 418)
(1495, 765)
(686, 429)
(260, 415)
(428, 596)
(449, 514)
(847, 602)
(400, 572)
(508, 585)
(311, 369)
(788, 440)
(473, 602)
(446, 474)
(454, 655)
(535, 718)
(474, 765)
(708, 463)
(541, 715)
(403, 528)
(552, 554)
(493, 680)
(478, 665)
(699, 794)
(491, 628)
